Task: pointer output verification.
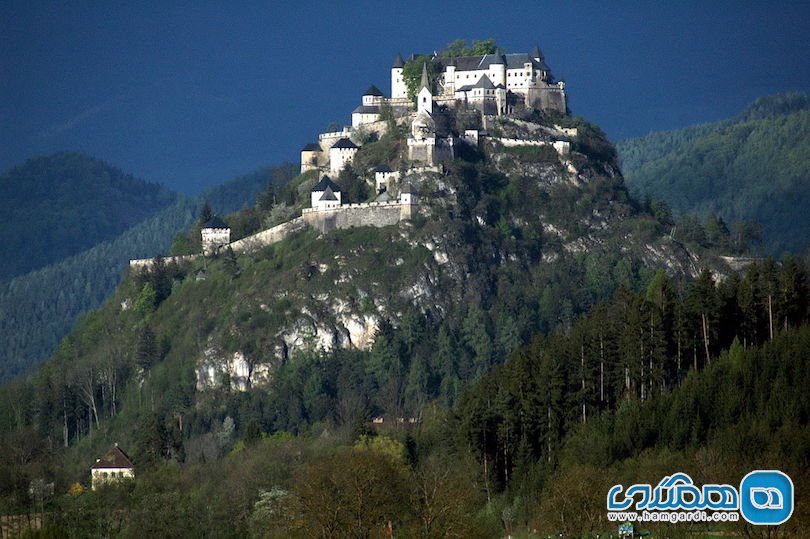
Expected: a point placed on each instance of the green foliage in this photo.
(753, 167)
(459, 47)
(41, 307)
(59, 205)
(412, 75)
(488, 319)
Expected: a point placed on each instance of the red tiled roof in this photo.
(114, 458)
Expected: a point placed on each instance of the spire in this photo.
(424, 82)
(536, 54)
(398, 62)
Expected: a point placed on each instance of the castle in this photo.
(491, 85)
(495, 83)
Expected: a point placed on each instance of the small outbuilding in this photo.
(325, 195)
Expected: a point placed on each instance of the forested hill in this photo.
(58, 205)
(753, 167)
(41, 307)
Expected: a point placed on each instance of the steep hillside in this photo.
(507, 243)
(258, 375)
(754, 167)
(59, 205)
(41, 307)
(315, 335)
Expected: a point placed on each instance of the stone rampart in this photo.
(269, 236)
(376, 214)
(143, 263)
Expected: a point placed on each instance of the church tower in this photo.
(424, 100)
(398, 89)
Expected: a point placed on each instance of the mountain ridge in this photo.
(752, 168)
(60, 204)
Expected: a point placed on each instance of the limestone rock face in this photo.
(514, 213)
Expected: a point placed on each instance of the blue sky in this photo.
(191, 94)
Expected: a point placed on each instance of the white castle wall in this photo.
(562, 147)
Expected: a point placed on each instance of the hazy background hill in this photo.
(39, 308)
(58, 205)
(755, 166)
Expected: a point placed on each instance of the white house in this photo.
(114, 466)
(325, 195)
(215, 234)
(341, 153)
(369, 111)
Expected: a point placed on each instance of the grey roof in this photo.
(484, 83)
(344, 143)
(536, 53)
(475, 63)
(311, 147)
(398, 61)
(367, 109)
(518, 60)
(325, 184)
(373, 90)
(216, 222)
(328, 195)
(382, 168)
(424, 82)
(383, 197)
(408, 188)
(471, 63)
(465, 88)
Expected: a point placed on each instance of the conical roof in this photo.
(328, 195)
(325, 184)
(216, 222)
(536, 53)
(373, 90)
(424, 82)
(398, 62)
(484, 83)
(344, 143)
(409, 189)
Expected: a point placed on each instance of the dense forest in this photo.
(39, 308)
(704, 377)
(58, 205)
(533, 336)
(751, 171)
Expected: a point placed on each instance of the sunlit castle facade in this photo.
(522, 78)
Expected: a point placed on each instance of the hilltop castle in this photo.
(493, 84)
(496, 83)
(490, 85)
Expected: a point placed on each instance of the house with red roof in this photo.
(114, 465)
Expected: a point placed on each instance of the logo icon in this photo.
(766, 497)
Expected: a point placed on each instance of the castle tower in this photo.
(398, 89)
(450, 77)
(215, 234)
(424, 102)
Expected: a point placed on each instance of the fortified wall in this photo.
(376, 214)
